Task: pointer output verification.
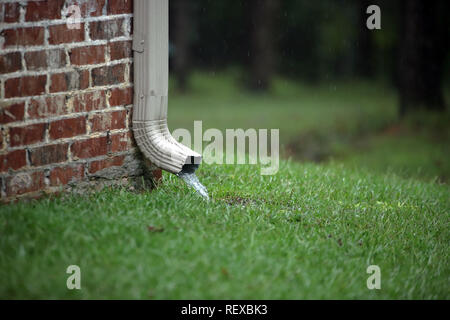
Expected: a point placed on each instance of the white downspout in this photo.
(151, 82)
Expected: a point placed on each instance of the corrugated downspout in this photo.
(151, 82)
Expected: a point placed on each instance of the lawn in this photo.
(352, 122)
(308, 232)
(378, 197)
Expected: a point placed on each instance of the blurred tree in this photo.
(221, 33)
(263, 15)
(182, 26)
(423, 51)
(365, 43)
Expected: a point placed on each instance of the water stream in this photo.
(188, 175)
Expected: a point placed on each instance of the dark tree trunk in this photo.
(262, 59)
(182, 32)
(365, 47)
(422, 56)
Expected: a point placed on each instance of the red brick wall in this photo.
(66, 96)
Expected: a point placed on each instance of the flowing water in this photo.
(188, 175)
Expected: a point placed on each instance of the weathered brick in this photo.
(120, 50)
(13, 160)
(108, 121)
(31, 36)
(56, 58)
(67, 128)
(11, 112)
(106, 163)
(120, 6)
(88, 8)
(84, 79)
(130, 119)
(62, 34)
(108, 75)
(36, 60)
(89, 101)
(25, 182)
(25, 135)
(46, 107)
(157, 174)
(121, 97)
(44, 10)
(49, 154)
(25, 86)
(68, 81)
(9, 12)
(119, 142)
(64, 175)
(107, 30)
(87, 55)
(89, 148)
(10, 62)
(53, 59)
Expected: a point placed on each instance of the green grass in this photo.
(308, 232)
(219, 101)
(353, 122)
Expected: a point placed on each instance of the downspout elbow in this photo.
(151, 64)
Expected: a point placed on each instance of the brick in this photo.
(89, 101)
(130, 119)
(62, 34)
(45, 155)
(38, 60)
(106, 163)
(121, 97)
(25, 86)
(2, 141)
(44, 10)
(120, 50)
(87, 55)
(25, 135)
(68, 81)
(157, 174)
(9, 12)
(65, 175)
(88, 8)
(25, 182)
(11, 112)
(131, 71)
(13, 160)
(107, 30)
(84, 79)
(120, 6)
(45, 107)
(31, 36)
(10, 62)
(67, 128)
(108, 75)
(56, 58)
(90, 148)
(108, 121)
(119, 142)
